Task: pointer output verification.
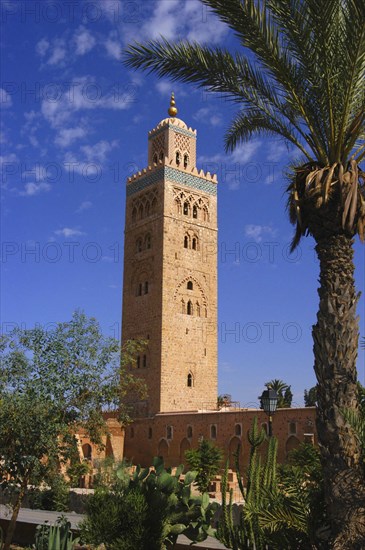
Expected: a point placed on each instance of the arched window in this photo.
(178, 205)
(190, 308)
(147, 209)
(169, 432)
(198, 309)
(87, 451)
(186, 241)
(195, 211)
(238, 429)
(147, 241)
(213, 431)
(154, 206)
(193, 246)
(139, 290)
(186, 160)
(139, 246)
(161, 155)
(186, 208)
(138, 362)
(189, 285)
(140, 212)
(178, 158)
(146, 287)
(144, 361)
(205, 214)
(189, 431)
(190, 380)
(149, 433)
(292, 427)
(134, 214)
(155, 158)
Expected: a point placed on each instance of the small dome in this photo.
(172, 120)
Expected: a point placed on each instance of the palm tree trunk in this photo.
(335, 351)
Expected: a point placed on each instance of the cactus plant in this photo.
(166, 509)
(55, 537)
(261, 479)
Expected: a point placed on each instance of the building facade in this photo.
(170, 300)
(170, 272)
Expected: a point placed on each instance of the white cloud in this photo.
(258, 232)
(31, 189)
(5, 99)
(178, 19)
(42, 47)
(113, 48)
(69, 232)
(78, 97)
(11, 158)
(244, 152)
(66, 136)
(206, 115)
(99, 151)
(58, 52)
(90, 159)
(85, 205)
(84, 40)
(277, 150)
(236, 167)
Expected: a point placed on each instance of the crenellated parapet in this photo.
(168, 170)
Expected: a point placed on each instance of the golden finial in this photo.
(172, 109)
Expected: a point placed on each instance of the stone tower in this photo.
(170, 272)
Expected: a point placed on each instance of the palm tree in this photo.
(300, 75)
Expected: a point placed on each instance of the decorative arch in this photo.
(87, 451)
(184, 446)
(163, 449)
(109, 447)
(291, 443)
(178, 206)
(183, 283)
(147, 241)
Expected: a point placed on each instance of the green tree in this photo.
(300, 75)
(52, 383)
(310, 397)
(284, 392)
(206, 460)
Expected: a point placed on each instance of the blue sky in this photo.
(74, 126)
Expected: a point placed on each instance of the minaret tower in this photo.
(170, 272)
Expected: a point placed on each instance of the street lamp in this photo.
(269, 401)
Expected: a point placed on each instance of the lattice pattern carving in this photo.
(158, 145)
(182, 143)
